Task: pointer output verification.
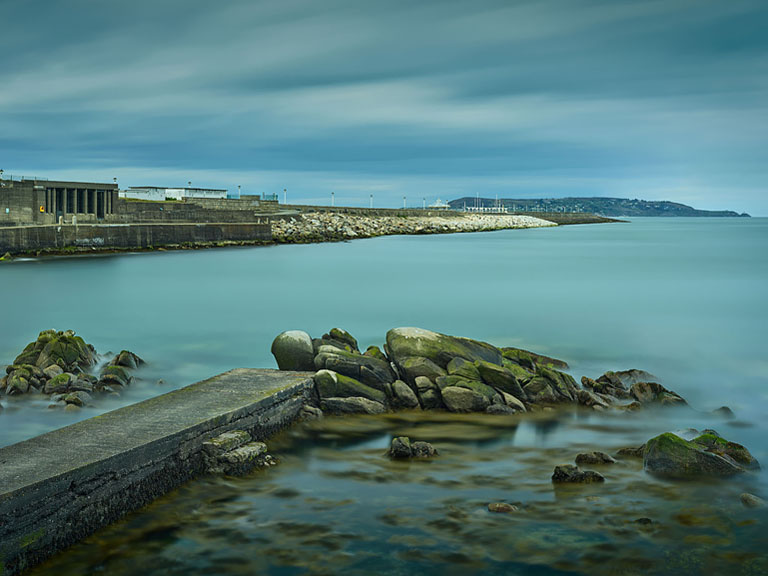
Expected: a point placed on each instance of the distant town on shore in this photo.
(609, 207)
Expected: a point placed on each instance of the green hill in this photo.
(611, 207)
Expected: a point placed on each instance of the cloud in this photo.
(548, 98)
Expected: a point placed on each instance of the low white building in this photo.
(159, 194)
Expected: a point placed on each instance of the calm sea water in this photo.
(682, 298)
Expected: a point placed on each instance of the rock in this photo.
(463, 368)
(375, 352)
(671, 456)
(458, 399)
(594, 458)
(531, 359)
(329, 384)
(352, 405)
(66, 350)
(500, 409)
(403, 396)
(724, 412)
(114, 374)
(293, 351)
(501, 379)
(439, 348)
(713, 442)
(367, 369)
(607, 384)
(562, 384)
(81, 384)
(52, 371)
(429, 394)
(415, 366)
(79, 398)
(501, 508)
(477, 386)
(17, 382)
(309, 413)
(590, 399)
(631, 452)
(127, 359)
(400, 447)
(568, 473)
(751, 501)
(522, 374)
(423, 450)
(513, 402)
(58, 383)
(342, 336)
(539, 391)
(651, 392)
(245, 454)
(71, 408)
(216, 447)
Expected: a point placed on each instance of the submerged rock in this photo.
(402, 447)
(636, 452)
(594, 458)
(751, 501)
(707, 455)
(568, 473)
(501, 508)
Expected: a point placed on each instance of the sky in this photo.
(659, 100)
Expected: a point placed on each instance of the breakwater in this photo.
(88, 237)
(57, 488)
(324, 226)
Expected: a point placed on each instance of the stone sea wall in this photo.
(323, 226)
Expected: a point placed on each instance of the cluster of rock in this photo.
(324, 226)
(234, 453)
(402, 448)
(420, 369)
(60, 365)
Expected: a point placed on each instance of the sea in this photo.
(682, 298)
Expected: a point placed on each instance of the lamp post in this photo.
(285, 195)
(332, 199)
(403, 202)
(371, 200)
(189, 184)
(423, 203)
(238, 190)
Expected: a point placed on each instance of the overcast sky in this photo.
(650, 99)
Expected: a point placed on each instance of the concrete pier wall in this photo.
(58, 488)
(20, 239)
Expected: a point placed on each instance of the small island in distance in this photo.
(610, 207)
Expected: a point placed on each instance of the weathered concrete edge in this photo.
(44, 518)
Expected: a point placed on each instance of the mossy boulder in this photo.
(501, 378)
(539, 391)
(532, 359)
(58, 384)
(403, 395)
(439, 348)
(562, 384)
(654, 393)
(461, 399)
(111, 375)
(375, 352)
(367, 369)
(463, 368)
(570, 474)
(66, 350)
(713, 442)
(341, 335)
(429, 394)
(480, 387)
(293, 350)
(330, 384)
(127, 359)
(522, 374)
(414, 366)
(17, 383)
(672, 456)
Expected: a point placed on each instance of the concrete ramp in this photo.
(58, 488)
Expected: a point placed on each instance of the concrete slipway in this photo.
(58, 488)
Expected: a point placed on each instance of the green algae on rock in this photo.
(707, 455)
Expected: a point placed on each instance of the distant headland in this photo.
(609, 207)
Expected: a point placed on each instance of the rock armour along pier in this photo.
(58, 488)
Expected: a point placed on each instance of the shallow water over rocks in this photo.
(337, 503)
